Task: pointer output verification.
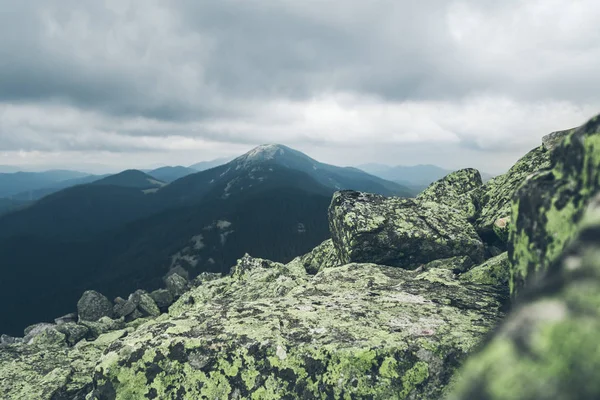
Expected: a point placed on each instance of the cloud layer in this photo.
(456, 83)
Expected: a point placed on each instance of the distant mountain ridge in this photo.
(126, 231)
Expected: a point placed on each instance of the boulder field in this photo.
(469, 291)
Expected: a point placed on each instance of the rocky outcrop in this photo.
(458, 190)
(549, 206)
(356, 331)
(399, 232)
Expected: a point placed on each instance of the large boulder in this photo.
(548, 348)
(399, 232)
(458, 190)
(549, 206)
(93, 305)
(271, 331)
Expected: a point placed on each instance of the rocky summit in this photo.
(409, 299)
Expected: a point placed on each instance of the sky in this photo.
(115, 84)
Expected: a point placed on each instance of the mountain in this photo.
(170, 174)
(33, 195)
(8, 205)
(204, 165)
(131, 178)
(17, 182)
(128, 230)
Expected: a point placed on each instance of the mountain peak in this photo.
(264, 152)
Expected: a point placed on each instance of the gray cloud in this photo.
(175, 78)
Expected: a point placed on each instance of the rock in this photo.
(48, 336)
(458, 190)
(32, 331)
(355, 331)
(47, 371)
(399, 232)
(495, 271)
(103, 325)
(176, 284)
(552, 140)
(548, 347)
(322, 256)
(179, 270)
(6, 340)
(136, 314)
(205, 277)
(549, 206)
(72, 317)
(497, 194)
(144, 303)
(123, 308)
(455, 264)
(249, 263)
(163, 298)
(92, 306)
(73, 332)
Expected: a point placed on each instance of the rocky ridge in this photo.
(390, 307)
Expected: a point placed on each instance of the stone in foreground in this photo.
(548, 348)
(399, 232)
(270, 331)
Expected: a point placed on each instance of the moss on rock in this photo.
(457, 190)
(548, 348)
(548, 207)
(495, 271)
(322, 256)
(272, 332)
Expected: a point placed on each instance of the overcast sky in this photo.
(139, 83)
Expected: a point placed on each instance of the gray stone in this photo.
(163, 298)
(123, 308)
(144, 303)
(92, 306)
(176, 284)
(72, 317)
(73, 332)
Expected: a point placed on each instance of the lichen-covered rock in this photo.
(495, 271)
(102, 326)
(123, 308)
(248, 263)
(272, 331)
(457, 190)
(93, 305)
(50, 371)
(497, 194)
(163, 299)
(71, 317)
(548, 348)
(176, 284)
(548, 207)
(455, 264)
(73, 332)
(144, 303)
(322, 256)
(205, 277)
(552, 140)
(399, 232)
